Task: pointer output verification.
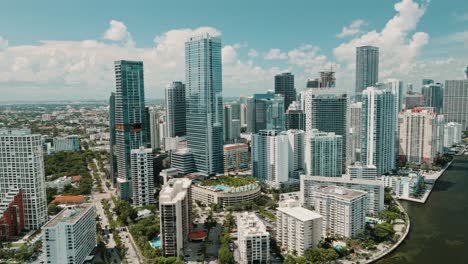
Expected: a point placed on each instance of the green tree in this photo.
(225, 256)
(384, 231)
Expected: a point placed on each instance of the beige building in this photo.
(254, 239)
(236, 157)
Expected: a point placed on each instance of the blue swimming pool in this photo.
(156, 243)
(221, 187)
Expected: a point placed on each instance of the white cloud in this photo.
(252, 53)
(353, 29)
(399, 48)
(117, 31)
(275, 54)
(229, 54)
(461, 17)
(3, 43)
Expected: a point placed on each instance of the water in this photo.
(439, 228)
(156, 243)
(221, 187)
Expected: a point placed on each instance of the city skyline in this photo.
(75, 60)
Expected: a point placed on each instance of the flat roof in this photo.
(69, 215)
(300, 213)
(341, 192)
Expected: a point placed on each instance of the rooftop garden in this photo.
(230, 181)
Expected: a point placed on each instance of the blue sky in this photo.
(261, 38)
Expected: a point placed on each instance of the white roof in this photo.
(300, 213)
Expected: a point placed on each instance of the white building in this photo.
(68, 143)
(452, 134)
(343, 210)
(355, 111)
(141, 161)
(59, 183)
(254, 239)
(297, 228)
(175, 207)
(70, 236)
(374, 188)
(296, 153)
(404, 187)
(421, 135)
(359, 171)
(22, 167)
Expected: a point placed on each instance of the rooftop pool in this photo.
(156, 243)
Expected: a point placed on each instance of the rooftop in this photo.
(341, 192)
(68, 199)
(69, 215)
(250, 224)
(229, 181)
(300, 213)
(175, 190)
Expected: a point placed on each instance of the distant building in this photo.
(59, 183)
(295, 117)
(253, 239)
(11, 215)
(373, 188)
(225, 196)
(456, 102)
(413, 100)
(355, 112)
(433, 96)
(68, 143)
(182, 160)
(349, 220)
(409, 186)
(175, 208)
(70, 236)
(22, 168)
(367, 68)
(421, 135)
(236, 157)
(297, 229)
(232, 123)
(452, 134)
(154, 129)
(284, 85)
(266, 112)
(359, 171)
(141, 161)
(175, 109)
(112, 140)
(323, 154)
(204, 102)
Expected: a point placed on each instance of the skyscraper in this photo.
(112, 141)
(323, 154)
(154, 129)
(433, 96)
(378, 129)
(22, 168)
(142, 176)
(266, 112)
(204, 102)
(130, 119)
(455, 102)
(367, 68)
(355, 111)
(232, 123)
(284, 85)
(295, 117)
(326, 109)
(175, 110)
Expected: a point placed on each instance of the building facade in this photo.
(68, 143)
(11, 215)
(455, 102)
(433, 96)
(266, 111)
(236, 158)
(355, 111)
(70, 236)
(367, 67)
(452, 134)
(22, 168)
(141, 161)
(175, 109)
(254, 239)
(204, 101)
(295, 117)
(284, 85)
(323, 154)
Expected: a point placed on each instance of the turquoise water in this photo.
(221, 187)
(156, 243)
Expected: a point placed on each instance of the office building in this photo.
(297, 229)
(154, 129)
(112, 140)
(266, 112)
(232, 123)
(182, 160)
(70, 236)
(420, 138)
(130, 119)
(68, 143)
(367, 68)
(413, 100)
(204, 101)
(343, 210)
(359, 171)
(378, 128)
(355, 110)
(427, 81)
(11, 215)
(25, 174)
(455, 102)
(175, 208)
(295, 153)
(313, 83)
(141, 161)
(323, 154)
(374, 189)
(175, 109)
(433, 96)
(396, 87)
(253, 238)
(236, 158)
(295, 117)
(327, 79)
(284, 85)
(452, 134)
(326, 109)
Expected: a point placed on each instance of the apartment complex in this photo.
(141, 161)
(254, 239)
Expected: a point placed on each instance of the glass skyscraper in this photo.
(433, 96)
(367, 68)
(284, 85)
(266, 111)
(455, 102)
(130, 119)
(175, 109)
(204, 102)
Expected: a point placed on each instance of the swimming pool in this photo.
(156, 243)
(221, 187)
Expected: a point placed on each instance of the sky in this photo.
(52, 50)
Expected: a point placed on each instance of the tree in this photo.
(289, 260)
(53, 209)
(384, 231)
(389, 216)
(224, 255)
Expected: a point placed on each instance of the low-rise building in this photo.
(11, 215)
(343, 210)
(297, 229)
(68, 143)
(59, 183)
(254, 239)
(70, 236)
(452, 134)
(182, 160)
(409, 186)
